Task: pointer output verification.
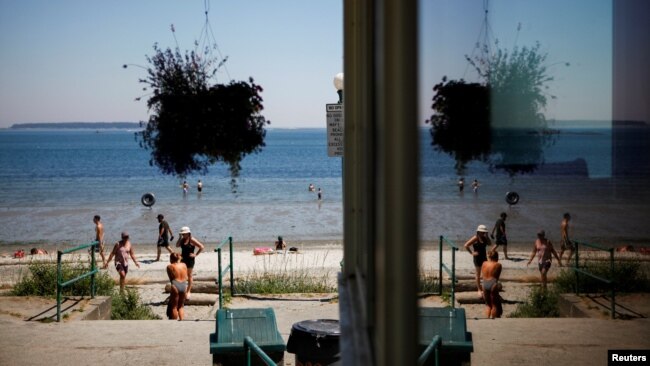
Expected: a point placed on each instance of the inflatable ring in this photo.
(148, 199)
(512, 198)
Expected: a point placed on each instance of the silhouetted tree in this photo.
(195, 123)
(500, 119)
(461, 125)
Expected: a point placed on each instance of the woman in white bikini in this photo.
(177, 272)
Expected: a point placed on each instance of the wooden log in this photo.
(202, 299)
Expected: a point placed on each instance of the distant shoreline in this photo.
(76, 125)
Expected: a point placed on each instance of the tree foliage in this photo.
(461, 128)
(477, 121)
(195, 123)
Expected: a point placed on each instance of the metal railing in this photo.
(450, 271)
(249, 345)
(610, 281)
(222, 271)
(60, 285)
(433, 347)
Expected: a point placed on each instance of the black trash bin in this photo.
(315, 342)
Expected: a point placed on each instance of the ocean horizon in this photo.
(55, 181)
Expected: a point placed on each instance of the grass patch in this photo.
(539, 304)
(127, 306)
(284, 283)
(427, 283)
(281, 274)
(41, 280)
(629, 276)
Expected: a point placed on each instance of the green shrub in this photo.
(41, 280)
(539, 304)
(127, 306)
(628, 277)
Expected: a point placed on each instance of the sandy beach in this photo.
(319, 260)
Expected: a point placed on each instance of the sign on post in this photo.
(334, 130)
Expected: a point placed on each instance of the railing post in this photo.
(58, 286)
(453, 277)
(232, 277)
(93, 264)
(440, 266)
(612, 284)
(220, 282)
(577, 245)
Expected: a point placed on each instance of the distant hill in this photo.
(77, 125)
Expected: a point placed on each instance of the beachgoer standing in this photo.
(461, 184)
(491, 272)
(500, 229)
(165, 235)
(478, 244)
(99, 237)
(280, 244)
(199, 186)
(177, 273)
(566, 241)
(475, 185)
(187, 243)
(320, 194)
(543, 248)
(121, 251)
(185, 187)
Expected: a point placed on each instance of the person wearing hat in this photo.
(543, 248)
(121, 251)
(500, 229)
(187, 244)
(477, 247)
(165, 235)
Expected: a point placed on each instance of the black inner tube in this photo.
(148, 199)
(512, 198)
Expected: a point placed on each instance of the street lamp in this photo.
(338, 84)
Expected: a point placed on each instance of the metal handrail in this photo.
(222, 271)
(249, 345)
(610, 281)
(60, 285)
(450, 271)
(434, 346)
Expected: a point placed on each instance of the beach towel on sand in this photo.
(262, 250)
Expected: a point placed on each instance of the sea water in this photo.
(54, 182)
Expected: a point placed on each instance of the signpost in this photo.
(334, 130)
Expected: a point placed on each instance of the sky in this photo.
(61, 61)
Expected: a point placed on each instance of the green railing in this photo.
(249, 345)
(610, 281)
(434, 346)
(60, 285)
(222, 271)
(450, 271)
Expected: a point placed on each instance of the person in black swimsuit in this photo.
(479, 244)
(187, 244)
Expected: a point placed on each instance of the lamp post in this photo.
(338, 84)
